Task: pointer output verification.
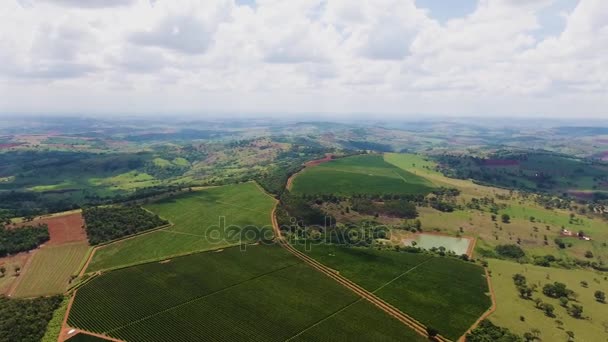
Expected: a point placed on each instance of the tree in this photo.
(2, 271)
(505, 218)
(556, 290)
(524, 291)
(519, 279)
(588, 254)
(600, 296)
(510, 251)
(563, 301)
(570, 335)
(576, 311)
(493, 217)
(548, 309)
(528, 337)
(432, 332)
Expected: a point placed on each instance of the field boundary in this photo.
(11, 290)
(200, 297)
(95, 248)
(402, 274)
(361, 292)
(325, 319)
(488, 312)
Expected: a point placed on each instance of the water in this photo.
(451, 243)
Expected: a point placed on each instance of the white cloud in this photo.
(385, 56)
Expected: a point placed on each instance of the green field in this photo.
(364, 174)
(50, 270)
(196, 216)
(510, 306)
(420, 285)
(261, 294)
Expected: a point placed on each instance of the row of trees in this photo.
(22, 239)
(109, 223)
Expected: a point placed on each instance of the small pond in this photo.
(457, 245)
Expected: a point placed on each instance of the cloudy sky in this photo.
(392, 58)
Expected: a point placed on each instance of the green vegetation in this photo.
(486, 331)
(26, 319)
(233, 294)
(202, 220)
(22, 239)
(528, 170)
(51, 270)
(535, 308)
(423, 286)
(363, 174)
(510, 251)
(113, 222)
(53, 329)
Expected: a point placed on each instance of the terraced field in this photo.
(261, 294)
(420, 285)
(202, 220)
(364, 174)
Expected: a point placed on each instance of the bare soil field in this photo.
(62, 228)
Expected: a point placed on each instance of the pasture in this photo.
(50, 270)
(423, 286)
(262, 293)
(202, 220)
(363, 174)
(510, 306)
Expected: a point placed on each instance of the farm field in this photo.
(63, 227)
(364, 174)
(50, 270)
(510, 306)
(9, 263)
(420, 285)
(422, 167)
(197, 217)
(263, 293)
(521, 210)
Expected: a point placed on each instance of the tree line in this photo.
(113, 222)
(22, 239)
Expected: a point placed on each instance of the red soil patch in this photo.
(328, 157)
(62, 229)
(501, 162)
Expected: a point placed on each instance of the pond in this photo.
(458, 245)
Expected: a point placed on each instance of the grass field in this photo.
(197, 217)
(50, 270)
(479, 224)
(365, 174)
(420, 285)
(263, 294)
(510, 306)
(422, 167)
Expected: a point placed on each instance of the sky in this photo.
(376, 58)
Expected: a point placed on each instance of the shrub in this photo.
(510, 251)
